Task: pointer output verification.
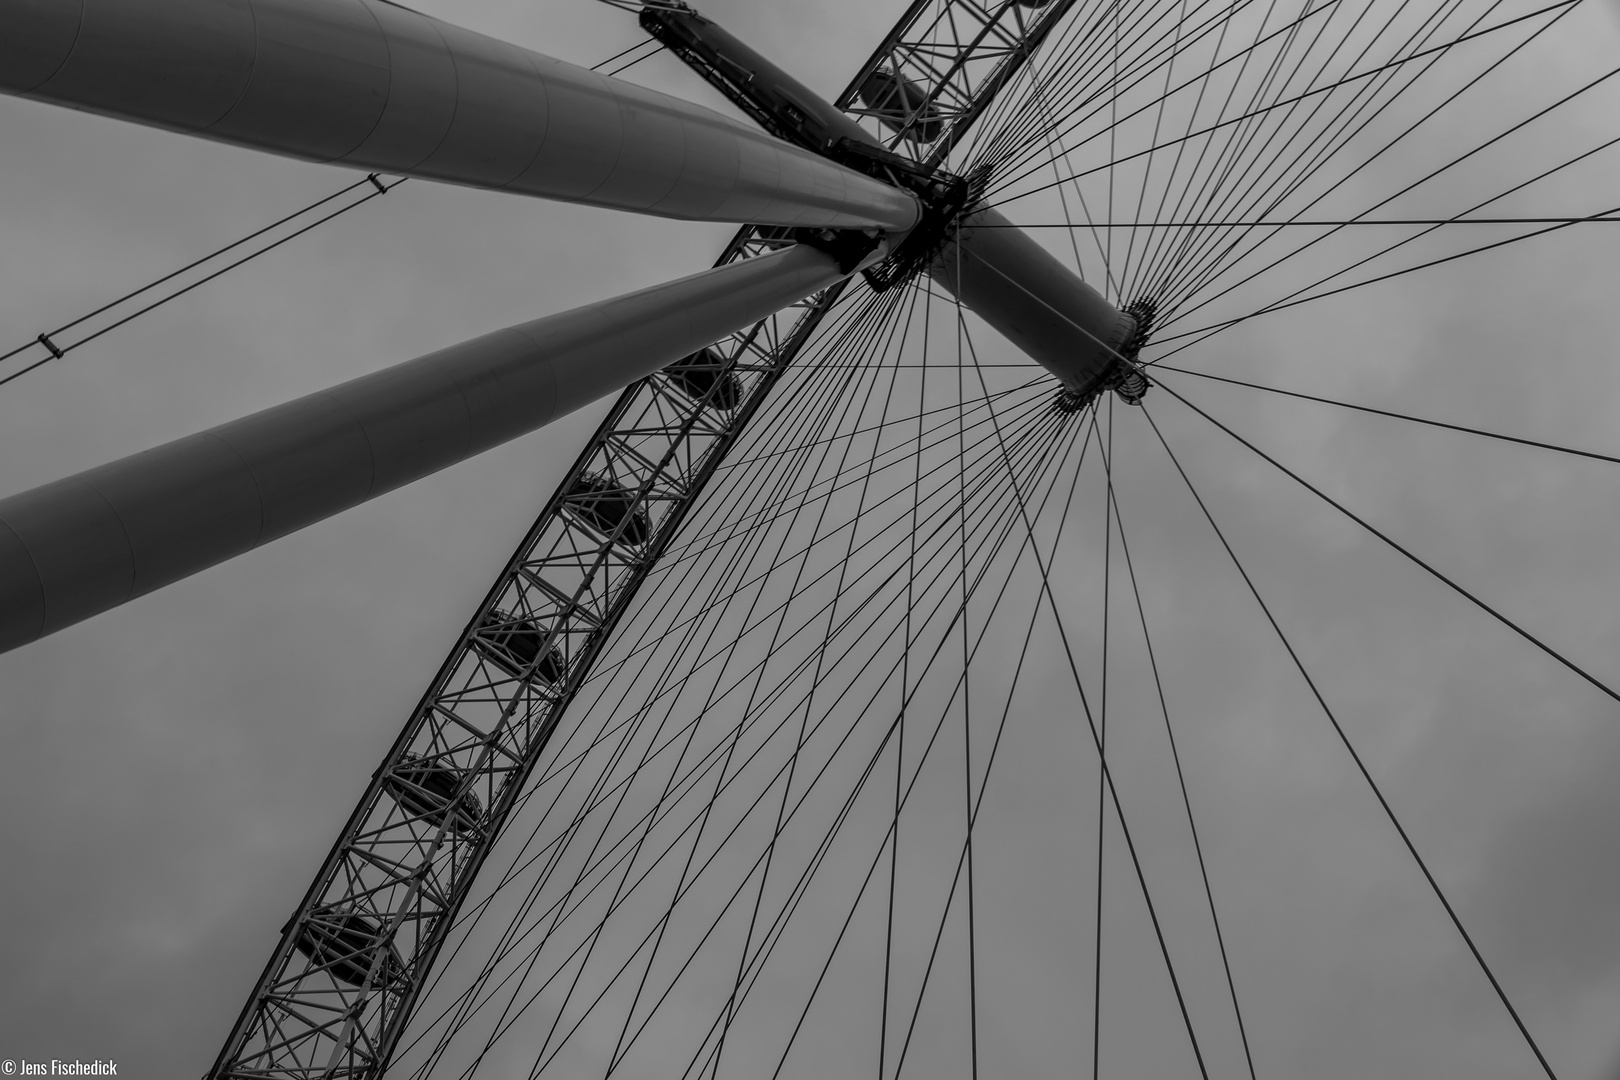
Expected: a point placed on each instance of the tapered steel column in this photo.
(81, 545)
(373, 85)
(1036, 302)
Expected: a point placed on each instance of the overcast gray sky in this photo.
(172, 772)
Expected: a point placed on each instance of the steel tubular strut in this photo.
(357, 954)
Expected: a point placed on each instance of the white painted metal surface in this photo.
(80, 545)
(373, 85)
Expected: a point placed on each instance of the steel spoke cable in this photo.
(962, 859)
(643, 711)
(825, 399)
(967, 687)
(1204, 83)
(506, 942)
(1205, 332)
(1367, 95)
(1147, 173)
(1034, 408)
(1104, 450)
(1361, 767)
(1038, 381)
(1197, 80)
(1395, 415)
(1289, 101)
(1170, 183)
(1036, 394)
(717, 852)
(1091, 724)
(1227, 258)
(943, 508)
(534, 789)
(1436, 51)
(671, 846)
(1213, 328)
(771, 649)
(629, 865)
(1584, 219)
(940, 510)
(984, 482)
(816, 679)
(1267, 154)
(622, 746)
(990, 130)
(811, 407)
(1202, 251)
(1037, 139)
(643, 876)
(938, 727)
(1113, 135)
(1187, 245)
(1390, 542)
(663, 921)
(1194, 188)
(1235, 138)
(900, 718)
(1432, 174)
(1175, 754)
(1053, 146)
(1106, 87)
(820, 655)
(1013, 131)
(558, 1015)
(620, 55)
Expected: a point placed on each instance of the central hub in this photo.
(981, 258)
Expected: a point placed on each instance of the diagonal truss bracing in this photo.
(359, 951)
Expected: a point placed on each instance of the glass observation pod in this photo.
(346, 945)
(603, 505)
(425, 789)
(703, 378)
(513, 644)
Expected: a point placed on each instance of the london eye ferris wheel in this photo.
(1218, 390)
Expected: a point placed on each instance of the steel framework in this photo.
(340, 986)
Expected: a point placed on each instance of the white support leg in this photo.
(379, 87)
(78, 546)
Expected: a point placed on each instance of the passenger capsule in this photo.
(425, 789)
(703, 371)
(605, 506)
(896, 100)
(346, 945)
(513, 644)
